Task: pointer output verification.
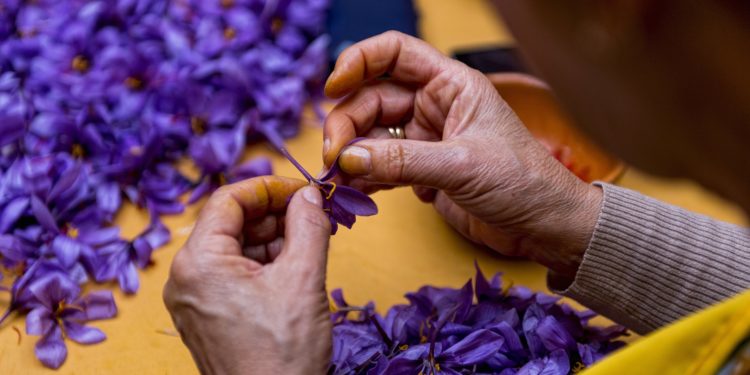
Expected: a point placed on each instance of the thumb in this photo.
(306, 234)
(441, 165)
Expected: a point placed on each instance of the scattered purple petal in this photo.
(468, 331)
(99, 101)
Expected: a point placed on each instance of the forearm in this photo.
(649, 263)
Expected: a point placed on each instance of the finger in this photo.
(425, 194)
(456, 217)
(265, 253)
(308, 230)
(383, 103)
(231, 206)
(263, 230)
(405, 58)
(412, 130)
(440, 165)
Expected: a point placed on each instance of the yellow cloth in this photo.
(697, 345)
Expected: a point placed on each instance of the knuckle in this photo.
(393, 34)
(460, 163)
(223, 191)
(461, 157)
(316, 219)
(395, 161)
(183, 272)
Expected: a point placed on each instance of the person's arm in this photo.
(650, 263)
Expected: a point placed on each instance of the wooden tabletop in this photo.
(402, 248)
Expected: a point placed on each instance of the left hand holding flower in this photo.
(247, 290)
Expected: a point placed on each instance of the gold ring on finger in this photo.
(397, 132)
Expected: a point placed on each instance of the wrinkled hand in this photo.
(466, 150)
(247, 291)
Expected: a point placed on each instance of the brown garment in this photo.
(650, 263)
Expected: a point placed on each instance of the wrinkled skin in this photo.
(466, 151)
(247, 291)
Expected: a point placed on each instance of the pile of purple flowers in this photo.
(484, 329)
(98, 100)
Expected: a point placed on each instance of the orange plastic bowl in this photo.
(536, 106)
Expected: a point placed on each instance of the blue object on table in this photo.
(350, 21)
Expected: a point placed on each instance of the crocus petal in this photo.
(100, 236)
(50, 349)
(66, 249)
(533, 367)
(128, 278)
(474, 348)
(99, 304)
(402, 366)
(553, 335)
(546, 299)
(108, 198)
(82, 334)
(531, 320)
(42, 214)
(337, 296)
(203, 188)
(334, 171)
(588, 354)
(142, 252)
(512, 340)
(39, 320)
(11, 249)
(557, 363)
(12, 211)
(482, 287)
(256, 167)
(334, 225)
(48, 125)
(11, 126)
(342, 216)
(465, 299)
(54, 287)
(354, 201)
(157, 234)
(65, 182)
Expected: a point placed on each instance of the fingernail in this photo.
(355, 160)
(329, 82)
(312, 195)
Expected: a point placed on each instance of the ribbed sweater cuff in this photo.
(650, 263)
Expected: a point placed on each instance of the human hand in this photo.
(247, 290)
(466, 151)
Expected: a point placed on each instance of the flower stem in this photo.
(275, 139)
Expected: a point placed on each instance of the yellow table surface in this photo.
(402, 248)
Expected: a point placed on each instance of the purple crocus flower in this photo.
(120, 260)
(13, 110)
(59, 312)
(229, 28)
(485, 330)
(102, 99)
(341, 203)
(437, 358)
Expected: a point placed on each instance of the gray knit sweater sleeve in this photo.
(650, 263)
